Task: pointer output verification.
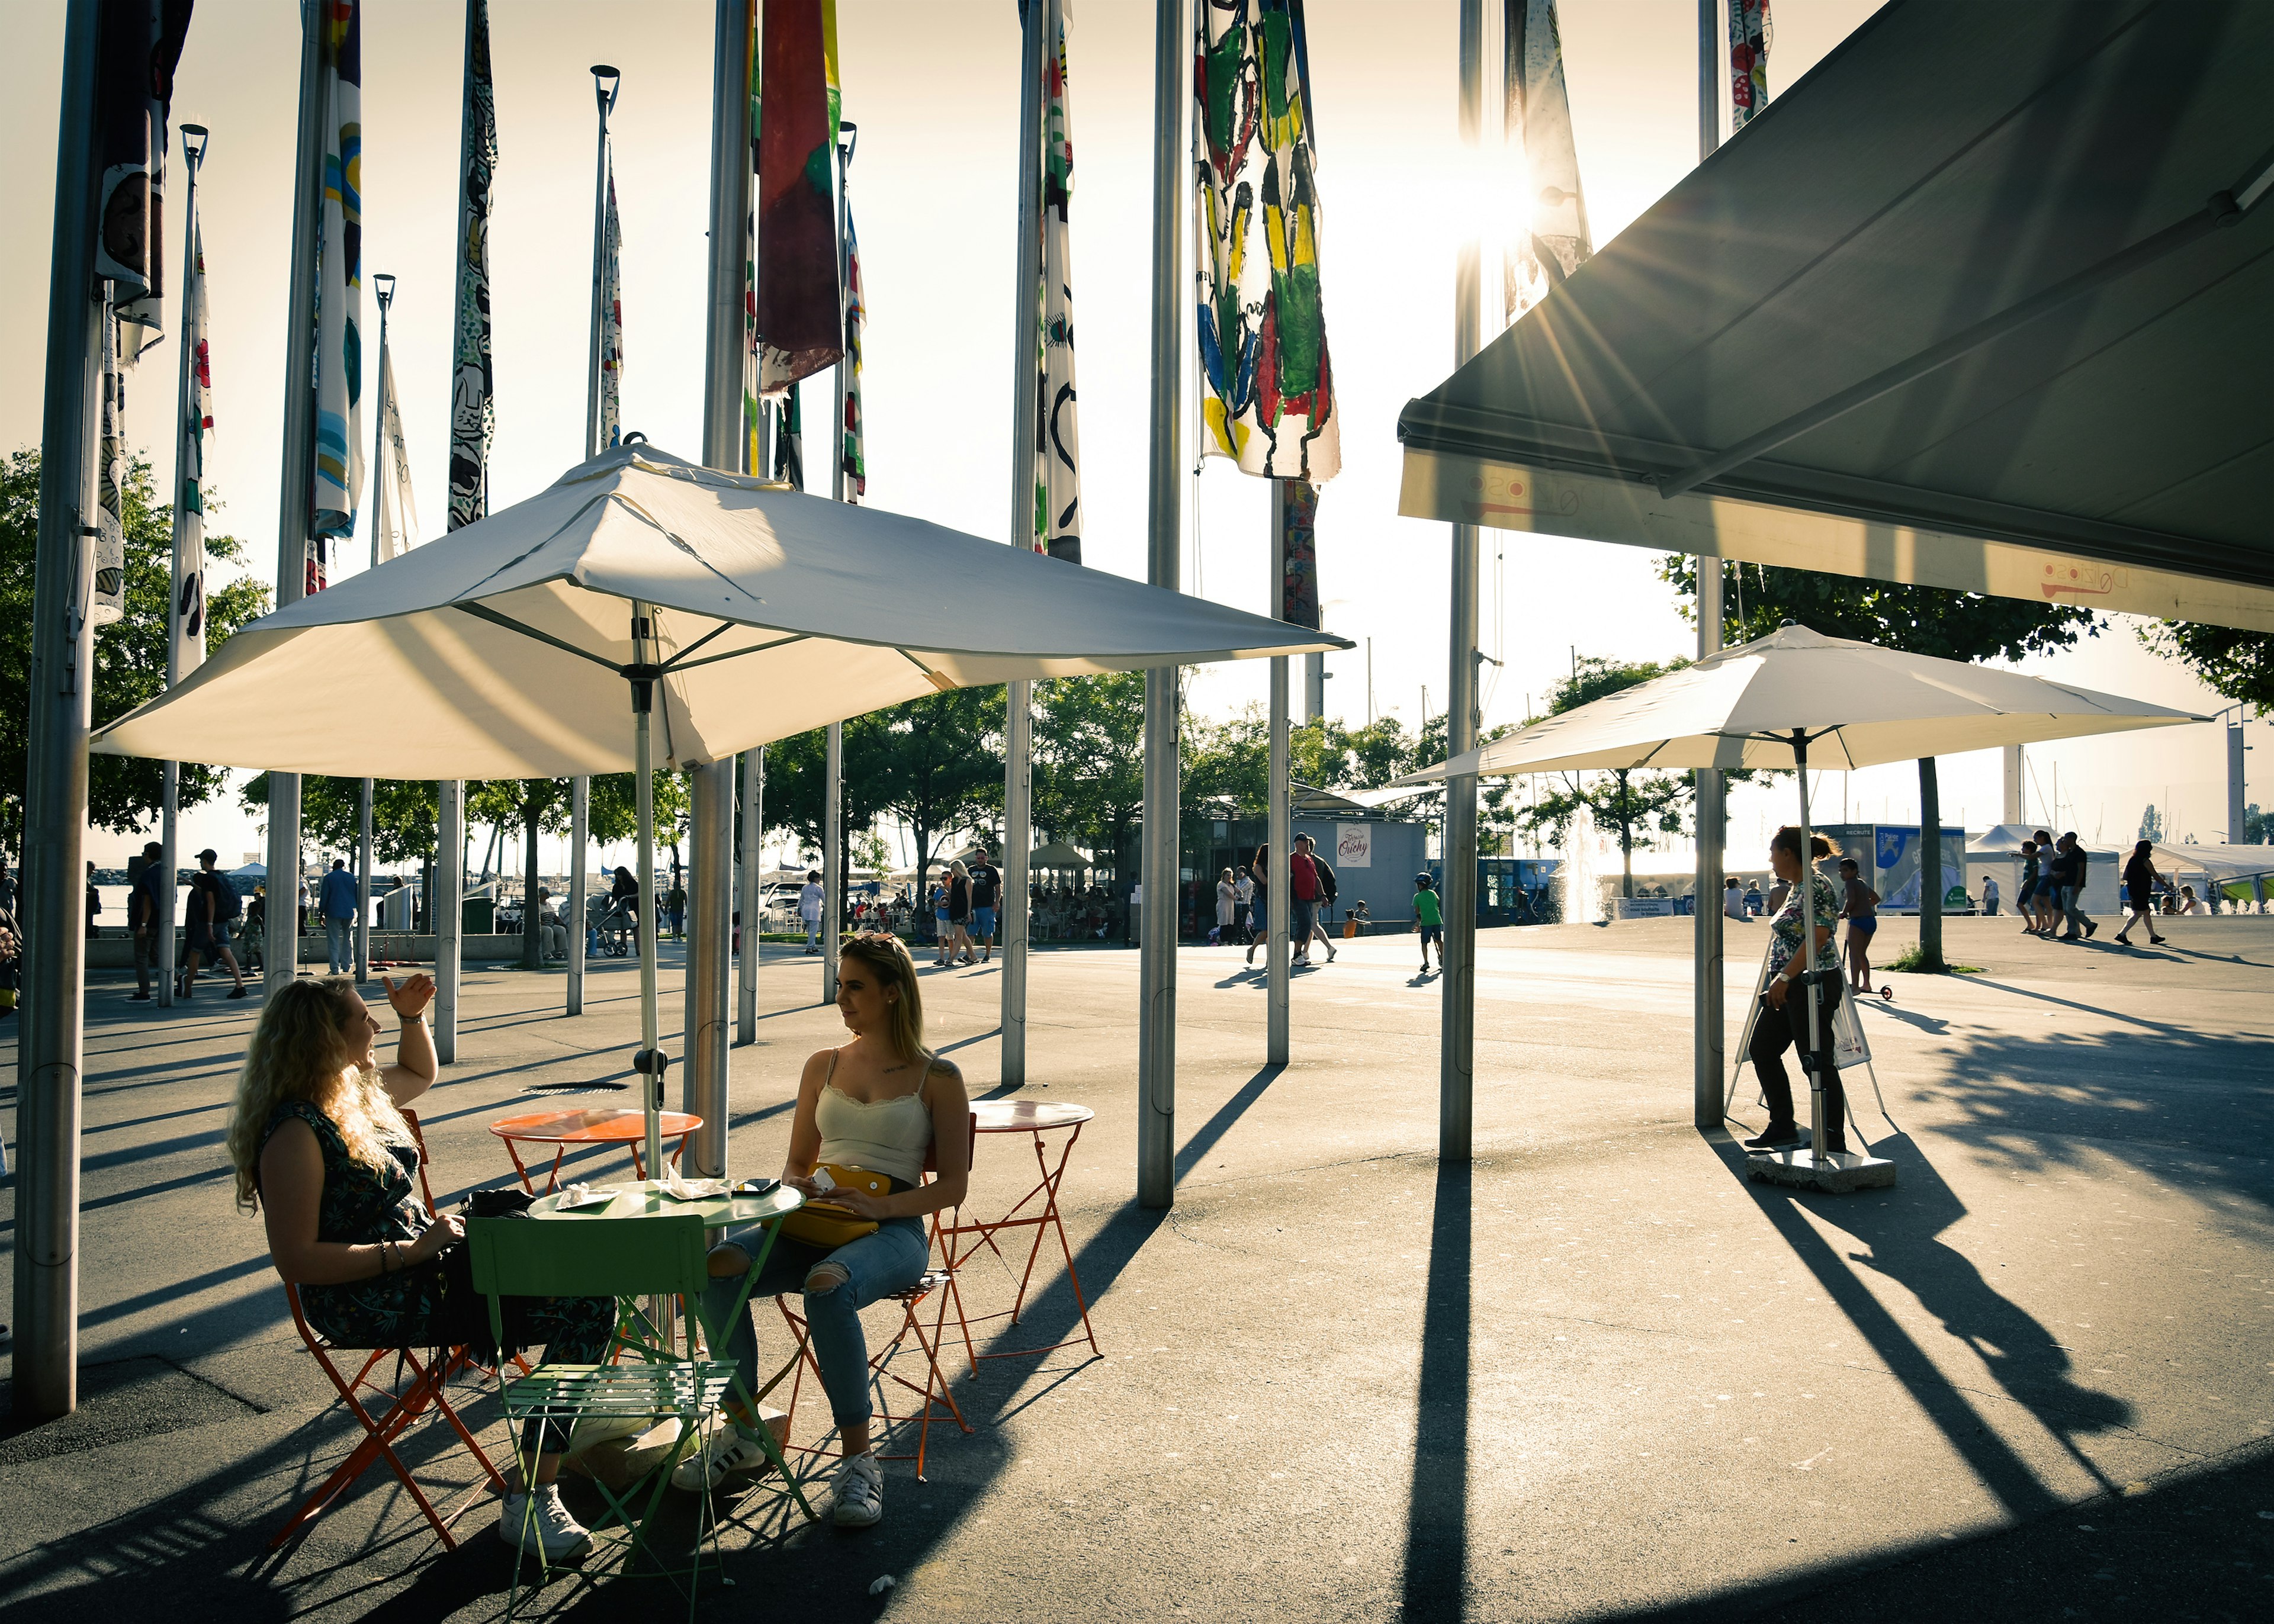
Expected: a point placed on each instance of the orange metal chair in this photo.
(402, 1407)
(939, 1282)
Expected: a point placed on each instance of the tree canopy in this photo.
(2238, 665)
(124, 792)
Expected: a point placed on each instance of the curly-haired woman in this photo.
(322, 1152)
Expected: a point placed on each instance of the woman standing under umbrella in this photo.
(1781, 1022)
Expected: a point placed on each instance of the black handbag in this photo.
(463, 1318)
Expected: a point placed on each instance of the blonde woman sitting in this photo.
(322, 1152)
(880, 1103)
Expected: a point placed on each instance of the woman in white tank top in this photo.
(884, 1103)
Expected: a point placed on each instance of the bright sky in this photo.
(931, 85)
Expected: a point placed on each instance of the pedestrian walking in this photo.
(1302, 879)
(2140, 891)
(674, 903)
(809, 909)
(94, 906)
(1428, 919)
(958, 914)
(337, 899)
(2069, 863)
(1259, 910)
(1242, 900)
(941, 930)
(213, 907)
(148, 910)
(986, 900)
(2025, 898)
(1324, 911)
(2048, 898)
(1859, 906)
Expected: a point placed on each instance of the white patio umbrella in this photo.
(729, 611)
(1772, 702)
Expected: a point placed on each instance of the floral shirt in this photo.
(1788, 929)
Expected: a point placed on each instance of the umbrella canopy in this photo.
(1859, 704)
(1058, 855)
(505, 651)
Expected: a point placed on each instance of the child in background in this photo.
(1429, 920)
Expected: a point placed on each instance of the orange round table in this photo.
(612, 1126)
(1037, 1210)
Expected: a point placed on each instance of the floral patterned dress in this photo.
(362, 1206)
(1789, 930)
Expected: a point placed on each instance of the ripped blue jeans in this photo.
(876, 1266)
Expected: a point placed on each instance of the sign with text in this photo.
(1353, 846)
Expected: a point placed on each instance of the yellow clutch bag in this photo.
(825, 1224)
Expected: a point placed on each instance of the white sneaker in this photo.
(540, 1525)
(857, 1492)
(699, 1471)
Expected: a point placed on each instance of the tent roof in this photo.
(1945, 165)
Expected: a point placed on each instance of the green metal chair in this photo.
(621, 1258)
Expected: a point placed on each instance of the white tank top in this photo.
(884, 1136)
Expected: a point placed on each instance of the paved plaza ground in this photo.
(1596, 1373)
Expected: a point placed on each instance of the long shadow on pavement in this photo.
(1437, 1509)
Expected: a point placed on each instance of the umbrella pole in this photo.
(1811, 1053)
(650, 1062)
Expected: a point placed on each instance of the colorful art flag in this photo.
(473, 412)
(799, 307)
(611, 319)
(1298, 553)
(339, 289)
(789, 439)
(1057, 450)
(395, 518)
(108, 602)
(1262, 327)
(851, 461)
(138, 44)
(187, 623)
(1550, 239)
(1749, 61)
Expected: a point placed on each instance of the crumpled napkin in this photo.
(683, 1189)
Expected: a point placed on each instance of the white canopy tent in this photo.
(640, 594)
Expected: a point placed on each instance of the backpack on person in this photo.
(226, 903)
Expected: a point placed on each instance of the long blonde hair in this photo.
(888, 956)
(307, 1047)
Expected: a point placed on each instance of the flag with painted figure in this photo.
(339, 296)
(611, 319)
(1269, 399)
(851, 457)
(139, 45)
(1058, 449)
(473, 412)
(800, 305)
(187, 623)
(1552, 238)
(1749, 61)
(395, 522)
(108, 604)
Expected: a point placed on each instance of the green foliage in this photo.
(1623, 799)
(1089, 760)
(934, 764)
(1916, 960)
(125, 792)
(2238, 665)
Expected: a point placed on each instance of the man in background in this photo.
(147, 912)
(337, 899)
(986, 900)
(1303, 875)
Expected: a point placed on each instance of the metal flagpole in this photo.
(194, 141)
(1280, 830)
(62, 648)
(281, 943)
(580, 787)
(1156, 1015)
(383, 285)
(449, 912)
(754, 816)
(711, 824)
(832, 820)
(1456, 1042)
(1037, 38)
(1707, 1052)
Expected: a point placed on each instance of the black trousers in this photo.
(1772, 1035)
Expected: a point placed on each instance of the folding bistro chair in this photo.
(401, 1406)
(934, 1392)
(658, 1255)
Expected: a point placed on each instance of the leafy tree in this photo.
(2239, 664)
(2151, 823)
(1089, 759)
(1624, 798)
(934, 764)
(1918, 620)
(125, 792)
